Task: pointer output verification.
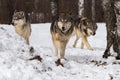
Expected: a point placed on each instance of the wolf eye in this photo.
(62, 20)
(15, 17)
(65, 20)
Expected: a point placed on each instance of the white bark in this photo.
(81, 7)
(54, 8)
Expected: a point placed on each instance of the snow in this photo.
(81, 64)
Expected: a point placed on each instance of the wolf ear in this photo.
(15, 11)
(83, 21)
(23, 13)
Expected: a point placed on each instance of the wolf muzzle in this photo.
(63, 28)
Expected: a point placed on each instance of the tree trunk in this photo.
(87, 9)
(116, 45)
(54, 9)
(11, 10)
(111, 27)
(110, 24)
(81, 7)
(93, 10)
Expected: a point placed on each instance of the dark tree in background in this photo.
(4, 11)
(64, 6)
(41, 11)
(93, 9)
(112, 34)
(87, 9)
(10, 7)
(99, 12)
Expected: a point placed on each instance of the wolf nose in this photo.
(63, 28)
(12, 23)
(94, 33)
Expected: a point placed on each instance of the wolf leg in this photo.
(82, 45)
(27, 41)
(62, 53)
(62, 49)
(107, 51)
(56, 51)
(74, 45)
(55, 48)
(85, 42)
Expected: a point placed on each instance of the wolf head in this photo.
(88, 26)
(18, 17)
(64, 22)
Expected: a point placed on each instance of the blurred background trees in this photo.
(41, 11)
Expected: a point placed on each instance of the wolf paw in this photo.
(106, 55)
(31, 50)
(118, 58)
(74, 46)
(91, 49)
(81, 47)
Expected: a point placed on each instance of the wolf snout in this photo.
(12, 23)
(63, 28)
(93, 33)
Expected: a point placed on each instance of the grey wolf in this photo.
(84, 27)
(22, 25)
(61, 31)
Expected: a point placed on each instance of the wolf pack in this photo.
(62, 29)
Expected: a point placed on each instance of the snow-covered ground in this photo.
(81, 64)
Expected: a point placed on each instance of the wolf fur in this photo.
(22, 25)
(84, 28)
(61, 31)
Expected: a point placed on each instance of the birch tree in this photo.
(81, 7)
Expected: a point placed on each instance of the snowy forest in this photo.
(36, 60)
